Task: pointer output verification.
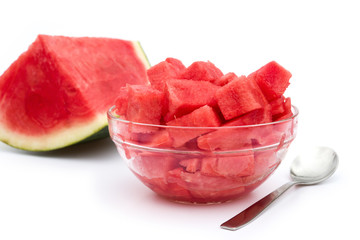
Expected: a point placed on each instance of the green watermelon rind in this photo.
(140, 52)
(99, 129)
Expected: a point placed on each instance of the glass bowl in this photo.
(202, 164)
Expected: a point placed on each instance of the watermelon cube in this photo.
(226, 139)
(203, 71)
(155, 139)
(191, 165)
(197, 182)
(202, 117)
(145, 104)
(147, 164)
(168, 69)
(208, 165)
(258, 116)
(264, 162)
(235, 166)
(287, 111)
(225, 79)
(184, 96)
(277, 105)
(273, 79)
(121, 102)
(238, 97)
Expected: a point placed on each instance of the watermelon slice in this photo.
(57, 93)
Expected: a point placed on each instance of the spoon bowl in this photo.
(313, 166)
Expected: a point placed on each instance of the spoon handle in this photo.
(256, 209)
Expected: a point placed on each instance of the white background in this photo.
(87, 192)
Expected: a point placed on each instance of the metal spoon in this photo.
(314, 166)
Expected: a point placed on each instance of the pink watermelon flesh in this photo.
(145, 104)
(208, 166)
(287, 113)
(238, 97)
(184, 96)
(277, 105)
(191, 165)
(203, 71)
(171, 68)
(235, 166)
(258, 116)
(225, 79)
(273, 79)
(202, 117)
(63, 82)
(226, 139)
(158, 139)
(144, 163)
(121, 101)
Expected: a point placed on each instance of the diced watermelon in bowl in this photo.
(209, 152)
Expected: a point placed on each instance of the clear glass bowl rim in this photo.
(182, 151)
(115, 118)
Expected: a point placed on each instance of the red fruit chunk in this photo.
(153, 165)
(235, 166)
(177, 65)
(287, 111)
(277, 106)
(191, 165)
(168, 69)
(264, 162)
(203, 189)
(225, 79)
(204, 71)
(121, 102)
(273, 80)
(208, 166)
(238, 97)
(202, 117)
(197, 181)
(145, 104)
(184, 96)
(159, 139)
(226, 139)
(258, 116)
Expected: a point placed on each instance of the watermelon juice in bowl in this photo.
(196, 135)
(217, 165)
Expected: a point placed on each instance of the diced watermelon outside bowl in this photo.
(202, 164)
